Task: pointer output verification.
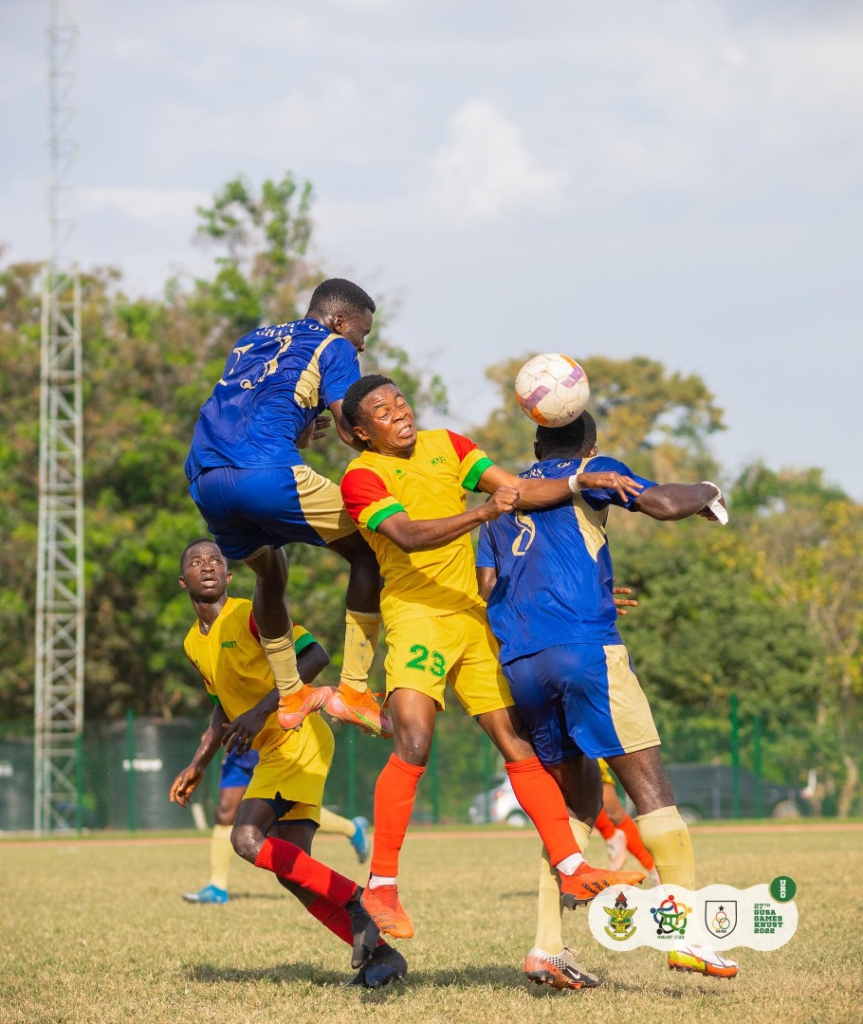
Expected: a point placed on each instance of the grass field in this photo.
(97, 932)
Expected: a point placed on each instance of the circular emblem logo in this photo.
(783, 889)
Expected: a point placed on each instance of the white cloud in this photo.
(486, 169)
(147, 205)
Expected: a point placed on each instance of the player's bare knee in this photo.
(414, 750)
(247, 841)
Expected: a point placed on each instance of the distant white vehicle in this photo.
(498, 805)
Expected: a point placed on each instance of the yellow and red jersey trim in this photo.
(367, 499)
(472, 461)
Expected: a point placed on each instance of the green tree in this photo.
(809, 539)
(150, 363)
(709, 625)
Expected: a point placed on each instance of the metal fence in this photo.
(127, 766)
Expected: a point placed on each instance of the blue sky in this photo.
(676, 179)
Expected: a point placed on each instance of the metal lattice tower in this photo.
(60, 572)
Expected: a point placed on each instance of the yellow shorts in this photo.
(459, 649)
(322, 504)
(296, 770)
(607, 777)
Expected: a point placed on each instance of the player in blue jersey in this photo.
(250, 483)
(548, 579)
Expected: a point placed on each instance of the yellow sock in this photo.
(581, 832)
(283, 662)
(361, 638)
(666, 836)
(336, 823)
(549, 930)
(221, 855)
(549, 913)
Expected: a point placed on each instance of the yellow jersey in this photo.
(234, 667)
(431, 484)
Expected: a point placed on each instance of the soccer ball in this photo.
(552, 390)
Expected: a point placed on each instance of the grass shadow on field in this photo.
(258, 896)
(278, 974)
(304, 973)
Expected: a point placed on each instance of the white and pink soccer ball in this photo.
(552, 390)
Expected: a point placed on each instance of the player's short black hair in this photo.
(194, 544)
(336, 295)
(576, 438)
(358, 391)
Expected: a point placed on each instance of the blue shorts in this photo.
(237, 769)
(247, 509)
(581, 698)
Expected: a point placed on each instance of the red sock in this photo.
(542, 801)
(605, 826)
(394, 801)
(290, 862)
(335, 918)
(635, 845)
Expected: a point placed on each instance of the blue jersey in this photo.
(554, 573)
(275, 382)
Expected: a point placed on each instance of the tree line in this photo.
(768, 608)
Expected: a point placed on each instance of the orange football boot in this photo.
(383, 906)
(293, 707)
(360, 708)
(587, 883)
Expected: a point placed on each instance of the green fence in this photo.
(127, 766)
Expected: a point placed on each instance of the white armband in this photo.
(715, 504)
(574, 485)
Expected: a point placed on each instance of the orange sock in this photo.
(605, 826)
(634, 844)
(394, 801)
(542, 801)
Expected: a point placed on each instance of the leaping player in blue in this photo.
(250, 483)
(548, 579)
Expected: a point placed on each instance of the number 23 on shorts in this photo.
(421, 656)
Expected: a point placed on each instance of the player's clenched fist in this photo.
(625, 486)
(504, 499)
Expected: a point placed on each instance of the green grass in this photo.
(94, 933)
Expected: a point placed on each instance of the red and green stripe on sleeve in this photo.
(367, 499)
(473, 461)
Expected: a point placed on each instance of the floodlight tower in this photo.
(59, 704)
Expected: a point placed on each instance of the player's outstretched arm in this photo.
(190, 777)
(677, 501)
(425, 534)
(536, 493)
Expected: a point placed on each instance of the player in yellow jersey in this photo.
(406, 492)
(280, 811)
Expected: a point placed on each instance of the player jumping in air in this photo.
(548, 579)
(235, 775)
(407, 492)
(280, 810)
(256, 494)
